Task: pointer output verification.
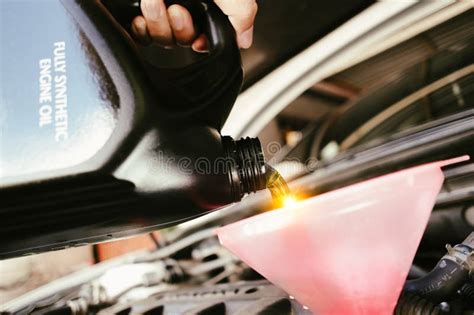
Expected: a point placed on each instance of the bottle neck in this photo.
(248, 174)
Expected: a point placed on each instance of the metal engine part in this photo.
(241, 298)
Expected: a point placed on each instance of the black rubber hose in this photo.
(416, 305)
(441, 283)
(449, 275)
(467, 292)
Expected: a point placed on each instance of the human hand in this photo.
(173, 26)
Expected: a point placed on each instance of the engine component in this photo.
(467, 292)
(249, 298)
(449, 275)
(413, 304)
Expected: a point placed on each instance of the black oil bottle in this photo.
(94, 144)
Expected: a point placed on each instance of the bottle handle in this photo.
(207, 88)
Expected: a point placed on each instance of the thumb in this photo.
(241, 14)
(245, 39)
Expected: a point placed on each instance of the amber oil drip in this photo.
(277, 186)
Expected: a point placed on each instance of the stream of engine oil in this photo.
(278, 187)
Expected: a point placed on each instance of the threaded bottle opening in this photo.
(248, 175)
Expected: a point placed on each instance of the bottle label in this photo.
(58, 103)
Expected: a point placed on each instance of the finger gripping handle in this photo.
(210, 20)
(206, 15)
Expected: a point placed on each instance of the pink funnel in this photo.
(347, 251)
